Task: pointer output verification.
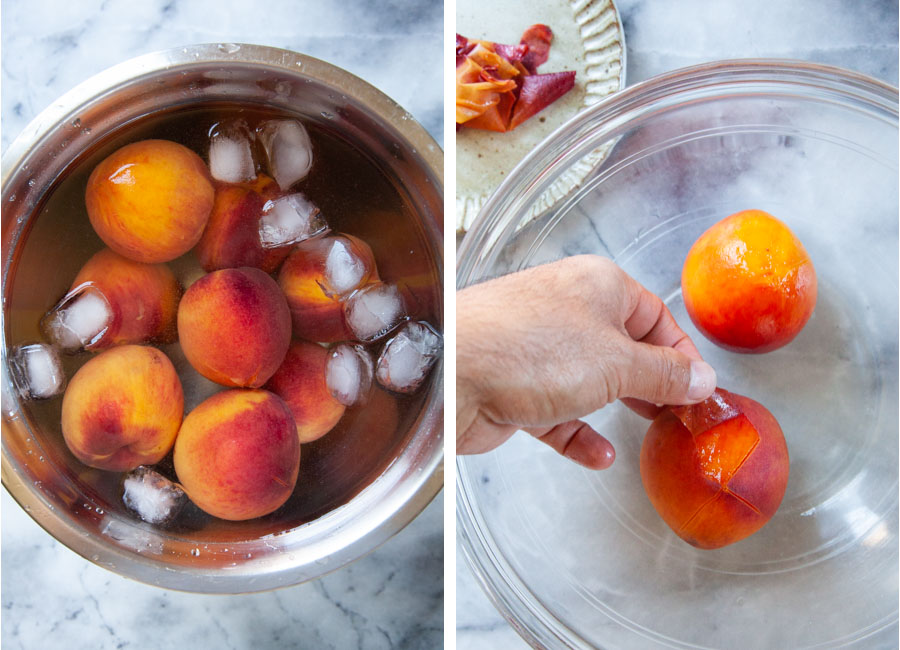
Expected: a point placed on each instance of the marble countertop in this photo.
(51, 597)
(660, 36)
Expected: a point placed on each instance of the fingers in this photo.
(650, 321)
(578, 442)
(662, 375)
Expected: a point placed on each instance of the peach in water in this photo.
(237, 454)
(150, 200)
(235, 327)
(114, 300)
(123, 408)
(716, 471)
(300, 382)
(316, 277)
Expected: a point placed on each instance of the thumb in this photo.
(664, 375)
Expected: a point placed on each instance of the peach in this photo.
(150, 200)
(748, 284)
(137, 303)
(231, 238)
(123, 408)
(237, 454)
(716, 471)
(300, 382)
(315, 277)
(235, 327)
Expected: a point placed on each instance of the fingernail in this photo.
(703, 381)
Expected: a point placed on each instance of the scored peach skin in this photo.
(717, 471)
(300, 382)
(234, 326)
(149, 201)
(123, 408)
(316, 311)
(231, 238)
(748, 283)
(237, 455)
(143, 299)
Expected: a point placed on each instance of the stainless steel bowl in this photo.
(265, 555)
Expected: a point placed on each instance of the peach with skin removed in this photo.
(231, 238)
(748, 283)
(143, 298)
(237, 455)
(317, 312)
(716, 471)
(300, 382)
(234, 326)
(123, 408)
(149, 201)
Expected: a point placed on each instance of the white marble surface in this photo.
(661, 35)
(51, 597)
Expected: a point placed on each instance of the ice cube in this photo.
(348, 373)
(79, 319)
(288, 220)
(37, 371)
(374, 310)
(288, 150)
(231, 152)
(408, 356)
(152, 497)
(344, 269)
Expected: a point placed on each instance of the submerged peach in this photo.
(237, 454)
(235, 327)
(123, 408)
(149, 201)
(300, 382)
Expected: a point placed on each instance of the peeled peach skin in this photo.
(234, 326)
(318, 314)
(231, 238)
(149, 201)
(237, 454)
(123, 408)
(716, 471)
(748, 283)
(300, 382)
(143, 298)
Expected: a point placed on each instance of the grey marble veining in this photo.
(661, 36)
(51, 597)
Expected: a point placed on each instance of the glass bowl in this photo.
(575, 558)
(352, 494)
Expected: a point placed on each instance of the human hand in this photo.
(538, 349)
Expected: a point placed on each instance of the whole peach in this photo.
(716, 471)
(237, 454)
(143, 298)
(231, 238)
(748, 283)
(300, 382)
(123, 408)
(234, 326)
(316, 309)
(150, 200)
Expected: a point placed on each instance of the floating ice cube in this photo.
(152, 497)
(344, 269)
(348, 373)
(79, 319)
(374, 310)
(231, 152)
(288, 220)
(288, 150)
(407, 357)
(37, 371)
